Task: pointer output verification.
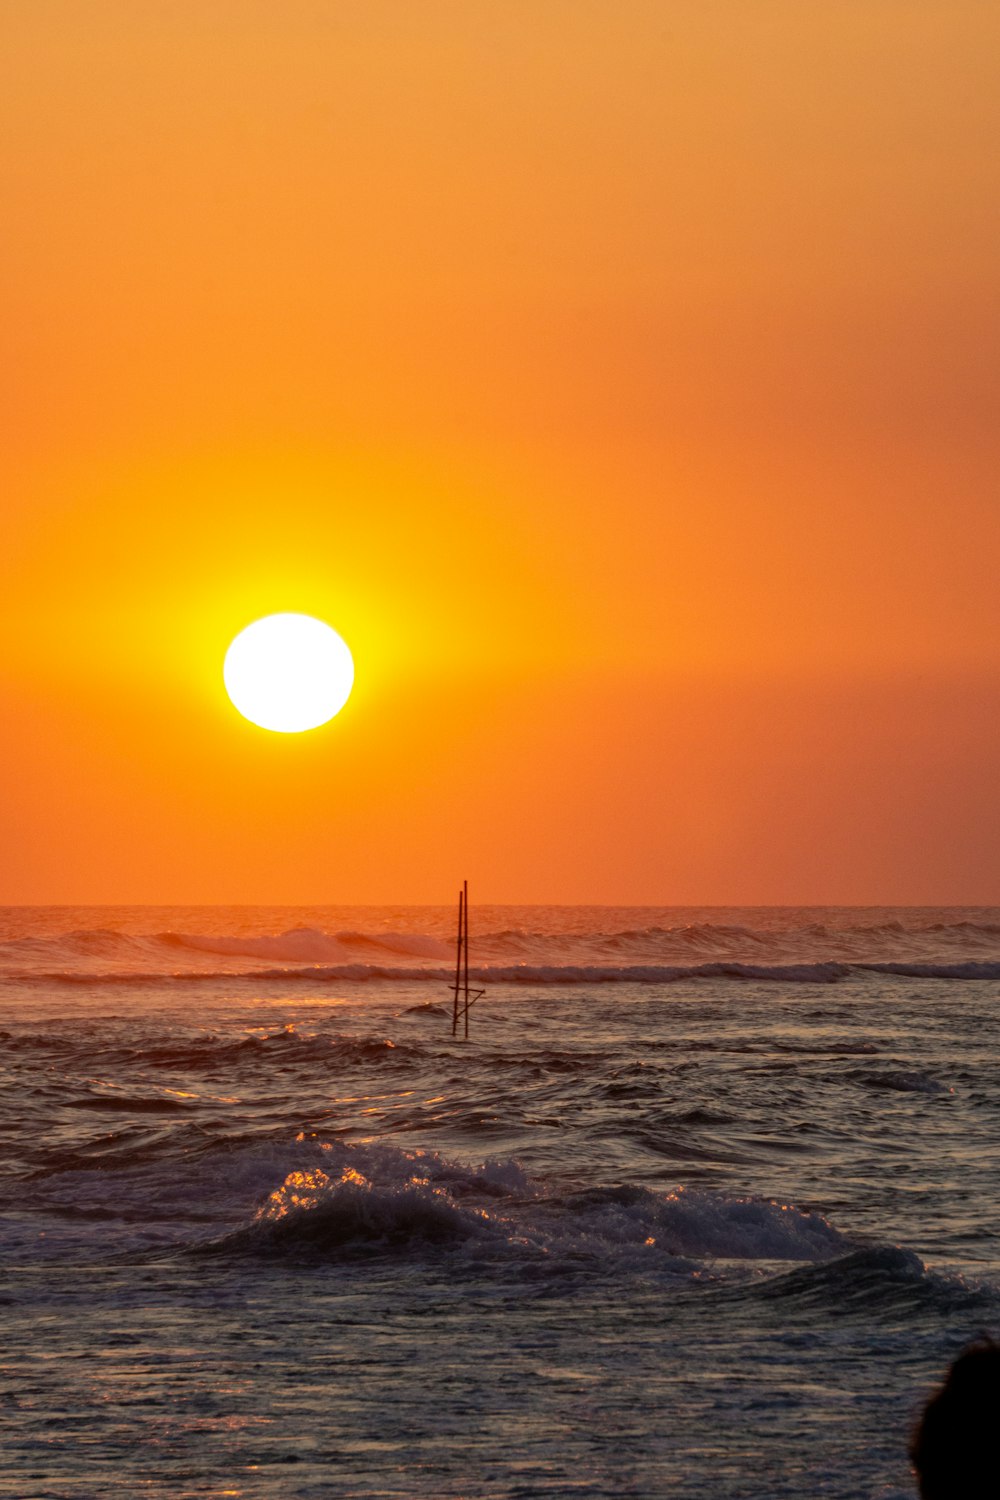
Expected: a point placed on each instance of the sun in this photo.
(288, 673)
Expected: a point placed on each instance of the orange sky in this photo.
(620, 379)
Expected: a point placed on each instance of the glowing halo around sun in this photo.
(288, 673)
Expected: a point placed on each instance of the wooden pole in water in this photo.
(458, 964)
(461, 985)
(465, 904)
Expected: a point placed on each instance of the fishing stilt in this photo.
(464, 997)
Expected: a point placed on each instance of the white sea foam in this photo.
(377, 1197)
(567, 947)
(309, 945)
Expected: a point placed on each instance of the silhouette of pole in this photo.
(458, 961)
(461, 985)
(465, 905)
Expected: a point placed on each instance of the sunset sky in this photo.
(619, 377)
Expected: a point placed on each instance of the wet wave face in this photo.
(318, 1202)
(414, 1202)
(329, 1199)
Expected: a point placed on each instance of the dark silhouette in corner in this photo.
(954, 1444)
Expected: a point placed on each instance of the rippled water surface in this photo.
(701, 1208)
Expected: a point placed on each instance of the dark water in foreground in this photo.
(702, 1208)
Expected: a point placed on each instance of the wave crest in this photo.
(813, 946)
(312, 1211)
(311, 945)
(376, 1199)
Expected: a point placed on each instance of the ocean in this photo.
(703, 1207)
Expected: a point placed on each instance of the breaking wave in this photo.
(318, 1196)
(518, 974)
(357, 1200)
(792, 944)
(309, 945)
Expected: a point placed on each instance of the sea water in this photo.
(702, 1207)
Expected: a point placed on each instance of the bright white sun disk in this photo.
(288, 673)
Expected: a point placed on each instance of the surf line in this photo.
(465, 998)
